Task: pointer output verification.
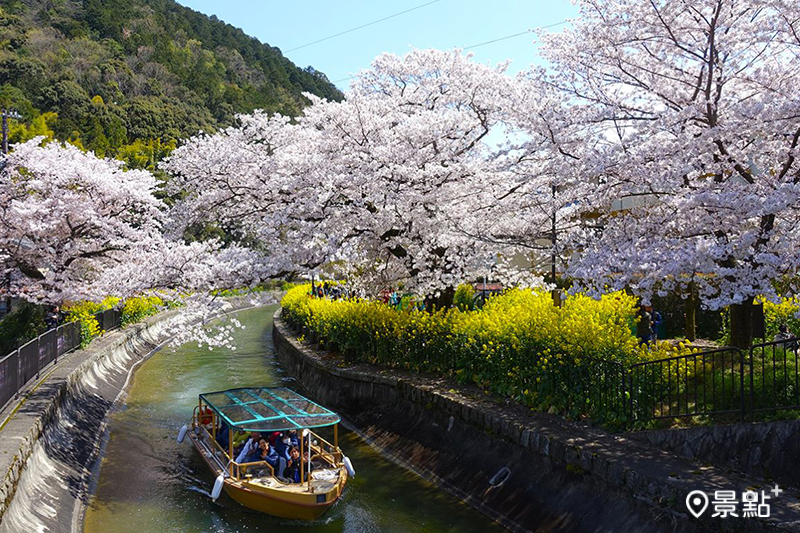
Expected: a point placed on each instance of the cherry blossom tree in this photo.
(689, 171)
(67, 215)
(382, 184)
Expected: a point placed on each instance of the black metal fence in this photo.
(726, 381)
(27, 362)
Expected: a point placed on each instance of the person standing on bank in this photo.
(657, 321)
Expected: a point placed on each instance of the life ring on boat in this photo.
(205, 416)
(349, 466)
(182, 434)
(218, 484)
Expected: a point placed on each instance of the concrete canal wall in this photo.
(528, 471)
(52, 437)
(764, 449)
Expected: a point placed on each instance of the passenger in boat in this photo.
(294, 440)
(292, 470)
(250, 447)
(282, 446)
(222, 435)
(260, 452)
(268, 454)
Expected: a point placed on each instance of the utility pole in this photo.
(7, 114)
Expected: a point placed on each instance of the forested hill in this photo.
(127, 78)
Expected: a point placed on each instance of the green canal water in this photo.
(149, 483)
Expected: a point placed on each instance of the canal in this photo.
(149, 482)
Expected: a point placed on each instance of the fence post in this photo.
(38, 352)
(741, 383)
(752, 382)
(16, 380)
(59, 344)
(624, 401)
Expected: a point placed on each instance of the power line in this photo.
(489, 42)
(515, 35)
(363, 26)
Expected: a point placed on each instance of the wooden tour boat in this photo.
(258, 485)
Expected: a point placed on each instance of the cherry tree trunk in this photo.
(742, 324)
(690, 329)
(690, 311)
(443, 301)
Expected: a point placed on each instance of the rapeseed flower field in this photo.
(566, 359)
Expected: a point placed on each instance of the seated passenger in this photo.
(292, 470)
(282, 445)
(294, 440)
(268, 454)
(255, 454)
(222, 436)
(249, 447)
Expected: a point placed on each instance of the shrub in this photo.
(23, 323)
(519, 345)
(138, 308)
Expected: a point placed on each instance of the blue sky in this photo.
(443, 24)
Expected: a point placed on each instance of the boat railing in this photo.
(326, 447)
(238, 467)
(217, 444)
(210, 438)
(325, 456)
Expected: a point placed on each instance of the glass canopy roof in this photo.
(268, 409)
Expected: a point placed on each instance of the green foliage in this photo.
(23, 323)
(41, 125)
(145, 154)
(127, 78)
(463, 298)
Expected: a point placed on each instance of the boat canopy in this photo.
(268, 409)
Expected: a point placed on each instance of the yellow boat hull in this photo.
(268, 495)
(281, 504)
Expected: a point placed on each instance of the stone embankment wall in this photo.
(52, 439)
(767, 450)
(561, 476)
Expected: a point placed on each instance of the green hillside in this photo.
(126, 78)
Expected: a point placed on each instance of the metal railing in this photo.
(726, 381)
(705, 383)
(27, 362)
